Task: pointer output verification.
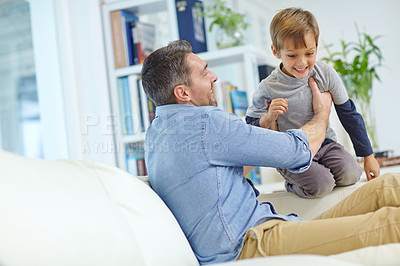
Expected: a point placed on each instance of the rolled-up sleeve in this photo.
(229, 141)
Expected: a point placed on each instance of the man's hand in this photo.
(316, 127)
(322, 102)
(275, 107)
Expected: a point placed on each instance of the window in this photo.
(19, 106)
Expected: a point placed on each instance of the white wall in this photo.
(336, 20)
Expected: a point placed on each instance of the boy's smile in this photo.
(298, 60)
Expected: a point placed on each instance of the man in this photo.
(195, 155)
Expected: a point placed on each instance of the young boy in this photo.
(283, 101)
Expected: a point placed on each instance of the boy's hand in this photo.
(276, 107)
(371, 167)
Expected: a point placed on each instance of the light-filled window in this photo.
(19, 106)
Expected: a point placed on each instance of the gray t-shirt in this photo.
(298, 94)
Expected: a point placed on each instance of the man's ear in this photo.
(181, 93)
(275, 52)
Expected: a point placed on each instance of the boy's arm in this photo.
(354, 125)
(268, 120)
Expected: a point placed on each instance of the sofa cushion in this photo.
(83, 213)
(308, 209)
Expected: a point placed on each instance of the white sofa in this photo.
(84, 213)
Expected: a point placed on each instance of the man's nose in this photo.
(214, 77)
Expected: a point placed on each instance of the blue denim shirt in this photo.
(195, 158)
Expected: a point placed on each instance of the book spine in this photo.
(131, 165)
(133, 60)
(152, 109)
(121, 106)
(128, 115)
(135, 159)
(239, 102)
(144, 106)
(139, 43)
(134, 100)
(117, 39)
(135, 42)
(191, 24)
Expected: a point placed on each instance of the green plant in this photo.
(356, 65)
(231, 22)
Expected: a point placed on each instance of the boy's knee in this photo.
(349, 175)
(319, 188)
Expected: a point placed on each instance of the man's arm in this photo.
(315, 129)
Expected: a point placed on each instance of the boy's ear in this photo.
(274, 51)
(181, 93)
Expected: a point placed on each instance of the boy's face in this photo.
(297, 62)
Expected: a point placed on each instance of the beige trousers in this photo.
(369, 216)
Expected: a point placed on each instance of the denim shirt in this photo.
(195, 158)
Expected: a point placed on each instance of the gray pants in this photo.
(331, 166)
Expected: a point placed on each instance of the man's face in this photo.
(202, 81)
(298, 62)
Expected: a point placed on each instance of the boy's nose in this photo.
(302, 60)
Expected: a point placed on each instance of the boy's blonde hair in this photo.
(292, 23)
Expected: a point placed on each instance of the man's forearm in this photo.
(316, 131)
(316, 127)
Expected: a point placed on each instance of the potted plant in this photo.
(231, 25)
(357, 64)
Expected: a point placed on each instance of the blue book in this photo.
(132, 50)
(127, 22)
(191, 24)
(128, 116)
(255, 176)
(239, 102)
(121, 108)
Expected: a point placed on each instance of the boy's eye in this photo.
(310, 53)
(291, 55)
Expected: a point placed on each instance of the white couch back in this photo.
(83, 213)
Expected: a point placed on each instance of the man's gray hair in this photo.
(164, 69)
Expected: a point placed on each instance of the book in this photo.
(148, 108)
(226, 89)
(132, 50)
(135, 163)
(388, 161)
(127, 107)
(152, 109)
(121, 108)
(239, 102)
(143, 39)
(255, 176)
(121, 36)
(191, 23)
(134, 100)
(145, 116)
(385, 153)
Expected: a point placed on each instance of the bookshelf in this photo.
(244, 60)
